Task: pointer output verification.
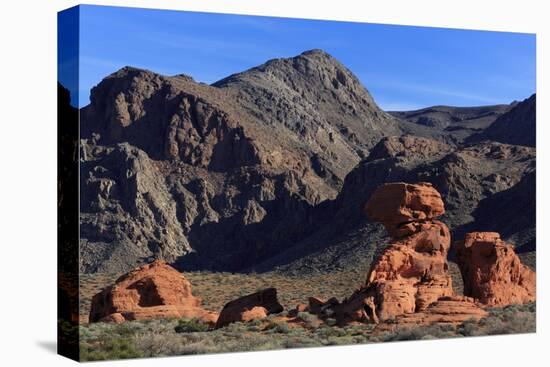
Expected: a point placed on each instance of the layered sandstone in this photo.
(152, 291)
(492, 272)
(446, 310)
(412, 272)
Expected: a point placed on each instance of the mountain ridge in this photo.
(234, 175)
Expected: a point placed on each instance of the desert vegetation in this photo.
(101, 341)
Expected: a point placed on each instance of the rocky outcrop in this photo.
(412, 272)
(152, 291)
(402, 207)
(492, 272)
(168, 119)
(128, 214)
(251, 307)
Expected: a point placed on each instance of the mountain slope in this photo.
(320, 103)
(450, 124)
(480, 185)
(186, 172)
(517, 126)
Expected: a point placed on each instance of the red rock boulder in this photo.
(251, 307)
(399, 206)
(492, 272)
(152, 291)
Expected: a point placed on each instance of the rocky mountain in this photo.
(268, 168)
(317, 102)
(518, 126)
(183, 171)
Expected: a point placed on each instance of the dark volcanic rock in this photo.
(471, 180)
(464, 176)
(447, 123)
(319, 103)
(192, 174)
(518, 126)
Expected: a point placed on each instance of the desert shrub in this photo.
(310, 320)
(282, 327)
(340, 340)
(301, 342)
(190, 326)
(110, 348)
(326, 332)
(469, 328)
(254, 328)
(511, 319)
(277, 327)
(420, 333)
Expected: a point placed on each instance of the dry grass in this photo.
(216, 289)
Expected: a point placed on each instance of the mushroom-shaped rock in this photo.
(152, 291)
(251, 307)
(412, 272)
(397, 205)
(492, 272)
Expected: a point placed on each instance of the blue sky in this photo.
(403, 67)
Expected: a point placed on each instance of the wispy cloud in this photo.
(216, 45)
(89, 61)
(434, 92)
(399, 106)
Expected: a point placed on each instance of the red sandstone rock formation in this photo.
(401, 207)
(412, 271)
(492, 272)
(253, 306)
(152, 291)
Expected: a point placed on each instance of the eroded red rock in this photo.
(253, 306)
(152, 291)
(399, 205)
(492, 272)
(412, 272)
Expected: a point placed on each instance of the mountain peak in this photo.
(316, 52)
(130, 71)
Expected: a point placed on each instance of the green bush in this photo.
(190, 326)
